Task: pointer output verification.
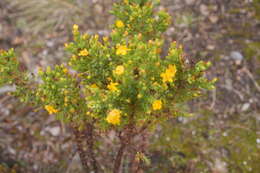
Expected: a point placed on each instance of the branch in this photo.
(80, 149)
(90, 143)
(86, 138)
(136, 161)
(125, 141)
(119, 157)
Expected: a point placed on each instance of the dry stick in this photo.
(135, 164)
(250, 75)
(144, 145)
(132, 164)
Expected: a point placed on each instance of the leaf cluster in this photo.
(121, 78)
(8, 67)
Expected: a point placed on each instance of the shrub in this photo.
(122, 82)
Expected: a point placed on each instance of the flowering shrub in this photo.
(122, 82)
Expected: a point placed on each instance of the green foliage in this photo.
(118, 79)
(8, 67)
(61, 90)
(140, 19)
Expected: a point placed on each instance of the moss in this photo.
(256, 7)
(6, 169)
(252, 53)
(201, 141)
(252, 49)
(239, 32)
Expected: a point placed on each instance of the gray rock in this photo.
(245, 107)
(75, 165)
(220, 166)
(7, 88)
(204, 10)
(55, 131)
(235, 55)
(190, 2)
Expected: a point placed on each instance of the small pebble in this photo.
(235, 55)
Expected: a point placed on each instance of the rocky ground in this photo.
(225, 32)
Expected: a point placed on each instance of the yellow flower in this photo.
(51, 109)
(66, 99)
(85, 36)
(119, 24)
(105, 39)
(72, 110)
(66, 45)
(113, 32)
(96, 36)
(169, 74)
(214, 80)
(121, 50)
(125, 33)
(48, 70)
(75, 29)
(93, 86)
(84, 52)
(142, 70)
(119, 70)
(139, 36)
(73, 57)
(113, 117)
(40, 71)
(66, 92)
(65, 70)
(112, 86)
(158, 51)
(157, 105)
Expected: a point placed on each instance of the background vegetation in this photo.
(223, 134)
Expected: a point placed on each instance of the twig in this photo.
(252, 78)
(214, 95)
(144, 127)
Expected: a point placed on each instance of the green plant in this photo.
(121, 83)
